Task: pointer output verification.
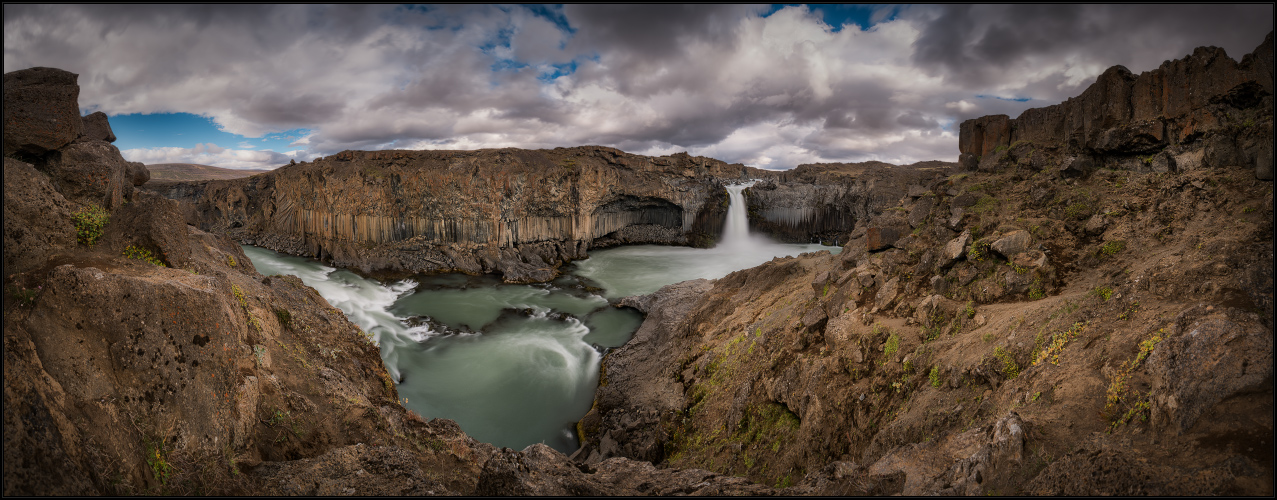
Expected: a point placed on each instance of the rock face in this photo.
(1205, 109)
(518, 212)
(40, 110)
(825, 202)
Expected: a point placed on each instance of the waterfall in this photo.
(736, 231)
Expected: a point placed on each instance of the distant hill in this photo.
(194, 172)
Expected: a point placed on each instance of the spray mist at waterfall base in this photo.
(515, 365)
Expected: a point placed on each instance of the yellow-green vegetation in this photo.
(157, 460)
(135, 252)
(1129, 312)
(984, 205)
(230, 260)
(890, 347)
(1116, 396)
(1058, 341)
(1103, 292)
(1111, 248)
(243, 302)
(1009, 366)
(935, 376)
(89, 223)
(969, 309)
(1036, 290)
(1077, 211)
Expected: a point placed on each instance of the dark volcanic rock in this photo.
(96, 128)
(41, 112)
(37, 219)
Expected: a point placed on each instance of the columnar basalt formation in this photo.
(518, 212)
(1203, 110)
(823, 202)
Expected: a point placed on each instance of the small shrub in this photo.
(1009, 367)
(156, 458)
(1103, 292)
(935, 376)
(89, 223)
(1079, 210)
(890, 347)
(969, 310)
(1111, 248)
(135, 252)
(230, 260)
(285, 317)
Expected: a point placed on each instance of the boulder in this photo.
(955, 249)
(91, 172)
(96, 128)
(1012, 243)
(41, 112)
(887, 294)
(921, 210)
(882, 238)
(137, 173)
(1207, 358)
(818, 285)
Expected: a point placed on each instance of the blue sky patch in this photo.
(185, 130)
(837, 15)
(1013, 99)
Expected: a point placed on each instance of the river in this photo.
(515, 365)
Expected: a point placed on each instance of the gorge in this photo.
(1081, 305)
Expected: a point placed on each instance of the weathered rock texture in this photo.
(1204, 110)
(1040, 327)
(823, 202)
(518, 212)
(40, 110)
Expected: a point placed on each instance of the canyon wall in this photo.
(518, 212)
(523, 213)
(823, 202)
(1200, 111)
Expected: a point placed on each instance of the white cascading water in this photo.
(736, 230)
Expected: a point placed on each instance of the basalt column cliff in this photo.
(518, 212)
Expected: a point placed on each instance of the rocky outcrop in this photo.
(1204, 110)
(518, 212)
(96, 128)
(40, 110)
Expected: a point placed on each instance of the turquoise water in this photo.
(515, 365)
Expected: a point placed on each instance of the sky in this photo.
(770, 86)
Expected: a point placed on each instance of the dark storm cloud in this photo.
(977, 45)
(715, 80)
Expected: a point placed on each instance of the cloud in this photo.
(212, 154)
(721, 81)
